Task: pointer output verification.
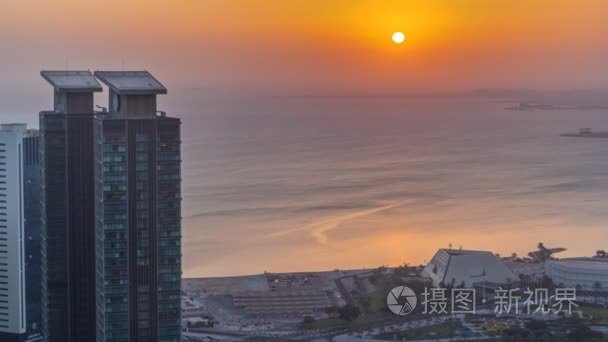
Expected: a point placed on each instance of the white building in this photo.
(463, 268)
(12, 256)
(585, 275)
(531, 274)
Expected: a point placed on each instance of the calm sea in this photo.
(318, 183)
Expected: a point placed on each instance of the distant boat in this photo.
(586, 133)
(526, 106)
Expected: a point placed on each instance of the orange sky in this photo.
(343, 43)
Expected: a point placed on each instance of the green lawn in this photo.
(442, 330)
(599, 313)
(325, 324)
(332, 323)
(377, 301)
(377, 312)
(493, 329)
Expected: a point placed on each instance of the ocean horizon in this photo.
(286, 184)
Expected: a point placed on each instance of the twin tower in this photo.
(111, 211)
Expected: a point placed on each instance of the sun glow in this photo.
(398, 37)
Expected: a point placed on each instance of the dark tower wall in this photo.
(54, 204)
(68, 221)
(139, 213)
(68, 226)
(73, 103)
(81, 227)
(67, 207)
(31, 212)
(132, 105)
(138, 228)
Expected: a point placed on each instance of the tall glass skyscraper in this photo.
(68, 208)
(138, 209)
(19, 234)
(31, 215)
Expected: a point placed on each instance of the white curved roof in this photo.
(579, 265)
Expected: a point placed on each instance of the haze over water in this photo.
(317, 183)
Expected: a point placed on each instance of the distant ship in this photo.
(586, 133)
(530, 107)
(525, 106)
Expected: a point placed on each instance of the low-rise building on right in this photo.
(584, 274)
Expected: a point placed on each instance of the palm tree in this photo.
(596, 286)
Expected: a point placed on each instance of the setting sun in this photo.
(398, 37)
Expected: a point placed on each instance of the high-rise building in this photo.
(31, 214)
(68, 204)
(138, 207)
(19, 234)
